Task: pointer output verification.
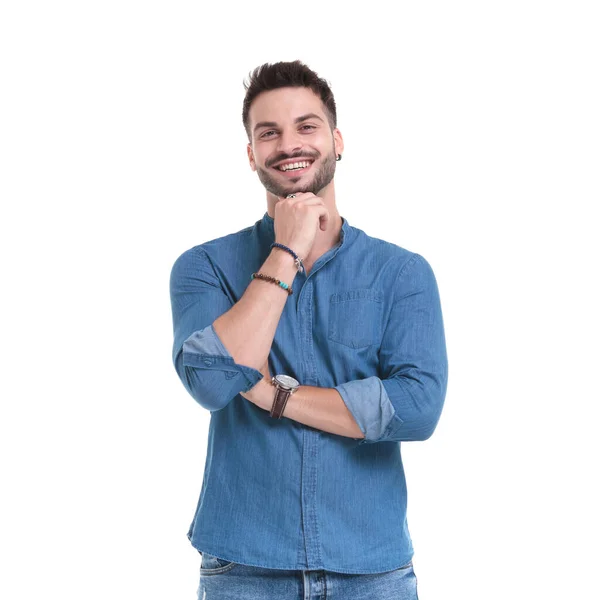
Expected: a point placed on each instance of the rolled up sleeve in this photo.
(202, 362)
(405, 403)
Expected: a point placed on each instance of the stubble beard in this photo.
(321, 179)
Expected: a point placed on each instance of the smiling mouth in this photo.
(294, 168)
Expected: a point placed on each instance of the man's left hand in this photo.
(263, 393)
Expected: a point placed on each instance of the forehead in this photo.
(285, 104)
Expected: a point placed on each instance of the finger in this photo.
(298, 196)
(308, 199)
(324, 219)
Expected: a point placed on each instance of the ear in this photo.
(251, 157)
(338, 141)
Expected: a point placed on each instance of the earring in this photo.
(339, 157)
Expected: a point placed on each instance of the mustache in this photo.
(281, 157)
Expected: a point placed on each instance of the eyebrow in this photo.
(296, 120)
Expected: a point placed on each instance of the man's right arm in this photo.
(219, 347)
(248, 328)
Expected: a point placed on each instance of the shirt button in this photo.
(208, 361)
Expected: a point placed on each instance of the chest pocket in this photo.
(355, 317)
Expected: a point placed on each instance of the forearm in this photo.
(322, 408)
(317, 407)
(247, 329)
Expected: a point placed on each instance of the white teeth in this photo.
(296, 165)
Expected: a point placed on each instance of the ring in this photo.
(291, 196)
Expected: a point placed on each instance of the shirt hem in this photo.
(330, 568)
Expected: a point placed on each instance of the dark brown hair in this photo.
(286, 74)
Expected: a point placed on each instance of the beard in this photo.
(321, 178)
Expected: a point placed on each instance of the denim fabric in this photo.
(372, 417)
(226, 580)
(366, 321)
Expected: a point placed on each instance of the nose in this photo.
(290, 141)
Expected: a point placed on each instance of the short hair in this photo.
(286, 74)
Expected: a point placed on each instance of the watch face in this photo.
(286, 381)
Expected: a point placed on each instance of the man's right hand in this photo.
(297, 220)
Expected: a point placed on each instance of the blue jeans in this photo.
(224, 580)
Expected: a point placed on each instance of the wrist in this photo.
(285, 387)
(286, 249)
(282, 261)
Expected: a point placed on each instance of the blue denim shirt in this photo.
(366, 321)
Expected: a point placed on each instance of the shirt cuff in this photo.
(204, 350)
(205, 341)
(370, 406)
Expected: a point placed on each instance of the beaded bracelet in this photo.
(297, 259)
(283, 285)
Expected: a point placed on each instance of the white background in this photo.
(471, 137)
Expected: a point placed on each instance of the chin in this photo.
(301, 188)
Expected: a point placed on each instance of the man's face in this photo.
(288, 126)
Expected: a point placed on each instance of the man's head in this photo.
(290, 117)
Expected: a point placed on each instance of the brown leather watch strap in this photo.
(281, 398)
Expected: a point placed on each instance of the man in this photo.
(304, 494)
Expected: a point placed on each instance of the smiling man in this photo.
(309, 168)
(293, 147)
(304, 494)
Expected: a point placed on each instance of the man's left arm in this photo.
(318, 407)
(405, 404)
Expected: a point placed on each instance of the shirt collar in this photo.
(266, 229)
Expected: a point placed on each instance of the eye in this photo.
(266, 133)
(309, 126)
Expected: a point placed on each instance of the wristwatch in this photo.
(285, 386)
